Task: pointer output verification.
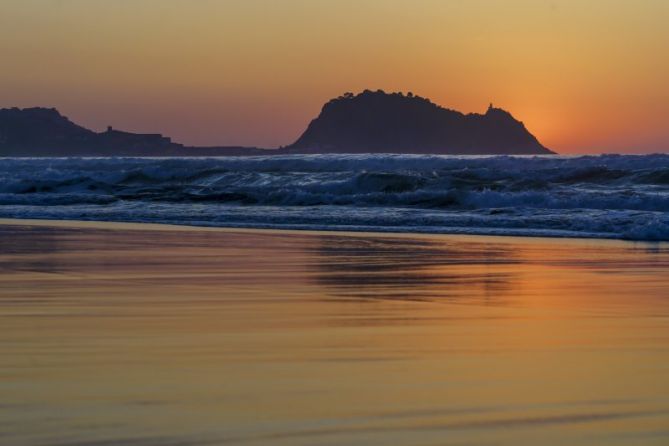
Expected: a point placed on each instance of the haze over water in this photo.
(137, 336)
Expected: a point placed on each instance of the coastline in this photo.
(146, 226)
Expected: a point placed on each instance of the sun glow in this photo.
(583, 76)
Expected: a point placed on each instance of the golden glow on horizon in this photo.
(584, 76)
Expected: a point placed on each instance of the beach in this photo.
(134, 335)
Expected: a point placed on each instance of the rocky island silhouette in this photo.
(369, 122)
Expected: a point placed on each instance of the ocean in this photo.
(605, 196)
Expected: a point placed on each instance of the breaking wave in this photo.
(608, 196)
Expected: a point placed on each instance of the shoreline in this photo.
(141, 226)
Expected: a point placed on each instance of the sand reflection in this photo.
(114, 334)
(416, 269)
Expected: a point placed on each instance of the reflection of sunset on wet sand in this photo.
(144, 335)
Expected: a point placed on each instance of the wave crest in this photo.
(605, 196)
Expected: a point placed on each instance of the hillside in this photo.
(382, 122)
(370, 122)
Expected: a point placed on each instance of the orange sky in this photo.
(584, 76)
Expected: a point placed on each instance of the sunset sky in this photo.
(584, 75)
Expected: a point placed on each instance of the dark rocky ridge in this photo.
(382, 122)
(374, 122)
(45, 132)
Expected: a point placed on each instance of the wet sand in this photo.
(134, 335)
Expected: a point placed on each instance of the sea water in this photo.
(607, 196)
